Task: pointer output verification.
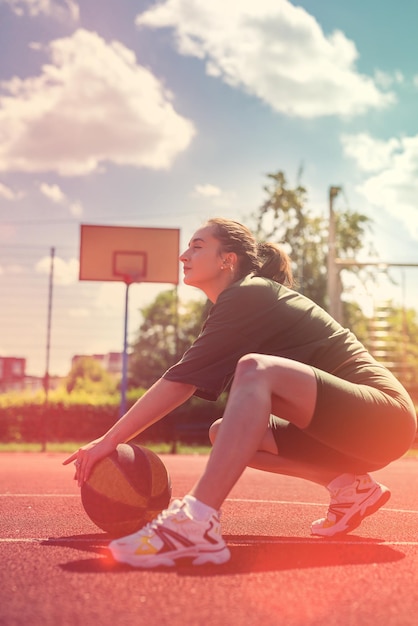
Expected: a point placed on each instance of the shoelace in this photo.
(159, 520)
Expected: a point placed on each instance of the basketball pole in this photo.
(124, 380)
(46, 380)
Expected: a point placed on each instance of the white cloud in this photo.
(57, 196)
(67, 9)
(65, 272)
(273, 50)
(9, 194)
(76, 209)
(369, 153)
(394, 183)
(93, 104)
(53, 192)
(207, 191)
(218, 197)
(386, 79)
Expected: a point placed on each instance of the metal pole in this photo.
(48, 349)
(176, 323)
(124, 381)
(404, 328)
(332, 276)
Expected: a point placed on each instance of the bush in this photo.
(80, 417)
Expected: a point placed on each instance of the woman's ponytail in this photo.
(275, 264)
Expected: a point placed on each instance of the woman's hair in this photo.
(263, 259)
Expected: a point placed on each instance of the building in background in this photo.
(13, 377)
(12, 373)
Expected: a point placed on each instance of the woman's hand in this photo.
(86, 457)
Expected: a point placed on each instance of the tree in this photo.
(88, 375)
(167, 330)
(283, 217)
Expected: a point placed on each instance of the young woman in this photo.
(306, 400)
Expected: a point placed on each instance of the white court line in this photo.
(322, 504)
(312, 541)
(249, 500)
(231, 542)
(39, 495)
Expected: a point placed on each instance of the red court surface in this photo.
(55, 569)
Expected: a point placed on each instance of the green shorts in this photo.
(363, 420)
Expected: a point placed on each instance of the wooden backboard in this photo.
(129, 254)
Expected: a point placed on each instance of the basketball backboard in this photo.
(129, 254)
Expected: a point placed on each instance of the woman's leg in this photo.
(268, 459)
(262, 385)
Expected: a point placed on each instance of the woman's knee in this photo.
(249, 367)
(260, 372)
(213, 430)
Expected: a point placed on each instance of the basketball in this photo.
(126, 490)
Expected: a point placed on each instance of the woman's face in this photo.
(203, 264)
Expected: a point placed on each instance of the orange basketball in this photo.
(126, 490)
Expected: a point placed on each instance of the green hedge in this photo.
(58, 421)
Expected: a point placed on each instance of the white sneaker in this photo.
(350, 505)
(173, 535)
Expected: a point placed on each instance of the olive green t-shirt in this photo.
(261, 316)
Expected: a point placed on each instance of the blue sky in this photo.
(163, 114)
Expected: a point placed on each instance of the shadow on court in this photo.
(264, 554)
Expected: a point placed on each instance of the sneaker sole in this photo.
(355, 520)
(166, 560)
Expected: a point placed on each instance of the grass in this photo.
(158, 448)
(71, 446)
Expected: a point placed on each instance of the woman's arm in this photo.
(160, 399)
